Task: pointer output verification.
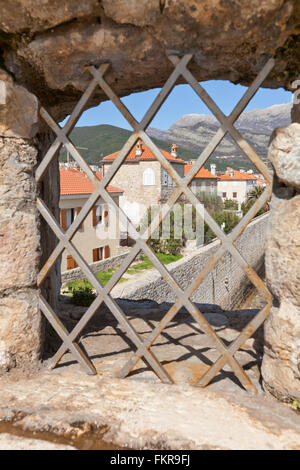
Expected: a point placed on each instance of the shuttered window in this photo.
(63, 219)
(97, 215)
(71, 263)
(98, 254)
(78, 209)
(106, 251)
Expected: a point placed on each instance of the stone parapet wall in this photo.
(97, 267)
(20, 320)
(281, 360)
(226, 283)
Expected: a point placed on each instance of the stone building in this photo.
(94, 239)
(235, 185)
(204, 181)
(143, 179)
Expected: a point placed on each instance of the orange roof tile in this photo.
(202, 173)
(237, 175)
(147, 154)
(73, 181)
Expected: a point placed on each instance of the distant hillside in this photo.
(194, 131)
(104, 139)
(191, 133)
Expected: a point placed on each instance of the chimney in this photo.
(174, 148)
(213, 169)
(229, 171)
(139, 150)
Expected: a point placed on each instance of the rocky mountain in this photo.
(194, 131)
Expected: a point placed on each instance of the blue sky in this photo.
(182, 100)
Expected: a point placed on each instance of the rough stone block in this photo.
(281, 361)
(19, 109)
(19, 251)
(20, 329)
(283, 249)
(284, 154)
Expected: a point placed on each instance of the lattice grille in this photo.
(143, 350)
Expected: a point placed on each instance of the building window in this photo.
(98, 254)
(70, 216)
(148, 177)
(106, 252)
(103, 252)
(100, 215)
(223, 194)
(71, 263)
(78, 209)
(67, 217)
(164, 178)
(234, 195)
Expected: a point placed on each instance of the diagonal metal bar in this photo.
(226, 125)
(134, 124)
(87, 207)
(111, 303)
(63, 334)
(207, 217)
(94, 306)
(234, 115)
(194, 311)
(159, 100)
(248, 331)
(79, 108)
(195, 284)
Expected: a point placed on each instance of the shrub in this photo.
(83, 296)
(172, 245)
(248, 204)
(231, 204)
(212, 202)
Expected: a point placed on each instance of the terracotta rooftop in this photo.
(202, 173)
(147, 154)
(75, 182)
(237, 175)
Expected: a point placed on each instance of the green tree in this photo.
(159, 244)
(231, 204)
(212, 202)
(252, 197)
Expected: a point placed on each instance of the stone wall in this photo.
(20, 319)
(47, 45)
(224, 286)
(97, 267)
(281, 361)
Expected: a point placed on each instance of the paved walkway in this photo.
(139, 411)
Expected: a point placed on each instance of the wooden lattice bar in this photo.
(143, 348)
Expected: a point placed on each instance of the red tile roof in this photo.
(147, 154)
(202, 173)
(237, 175)
(75, 182)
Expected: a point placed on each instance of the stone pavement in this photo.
(139, 411)
(10, 442)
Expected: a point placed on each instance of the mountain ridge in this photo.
(194, 131)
